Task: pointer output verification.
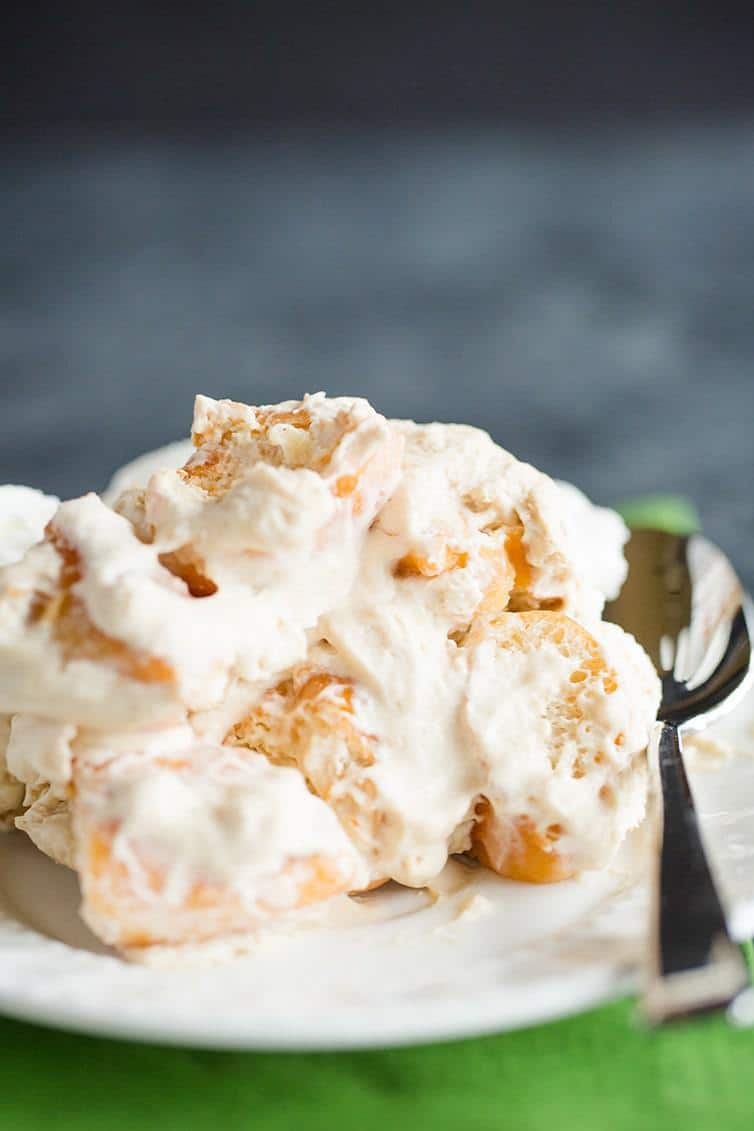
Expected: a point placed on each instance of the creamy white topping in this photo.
(227, 819)
(422, 693)
(445, 720)
(187, 816)
(596, 536)
(11, 790)
(552, 769)
(355, 598)
(39, 751)
(37, 674)
(275, 545)
(24, 513)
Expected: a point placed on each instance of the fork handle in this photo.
(695, 965)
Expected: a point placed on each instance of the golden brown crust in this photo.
(517, 850)
(126, 897)
(191, 569)
(207, 911)
(516, 846)
(414, 564)
(74, 632)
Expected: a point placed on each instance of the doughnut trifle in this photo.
(328, 651)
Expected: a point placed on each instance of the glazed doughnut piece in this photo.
(54, 656)
(404, 799)
(199, 843)
(342, 439)
(217, 572)
(268, 481)
(560, 718)
(471, 529)
(310, 720)
(94, 630)
(268, 520)
(38, 756)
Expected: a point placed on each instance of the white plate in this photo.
(394, 967)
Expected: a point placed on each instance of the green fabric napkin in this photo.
(596, 1072)
(673, 513)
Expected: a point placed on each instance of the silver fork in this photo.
(683, 602)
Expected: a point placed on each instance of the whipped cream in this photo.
(413, 677)
(24, 513)
(39, 751)
(11, 789)
(327, 650)
(223, 569)
(182, 817)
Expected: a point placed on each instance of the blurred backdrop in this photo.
(536, 218)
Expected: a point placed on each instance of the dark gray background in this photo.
(537, 218)
(196, 66)
(589, 302)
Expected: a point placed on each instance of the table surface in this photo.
(587, 298)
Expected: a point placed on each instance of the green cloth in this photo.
(665, 512)
(596, 1072)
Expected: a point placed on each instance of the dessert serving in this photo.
(328, 651)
